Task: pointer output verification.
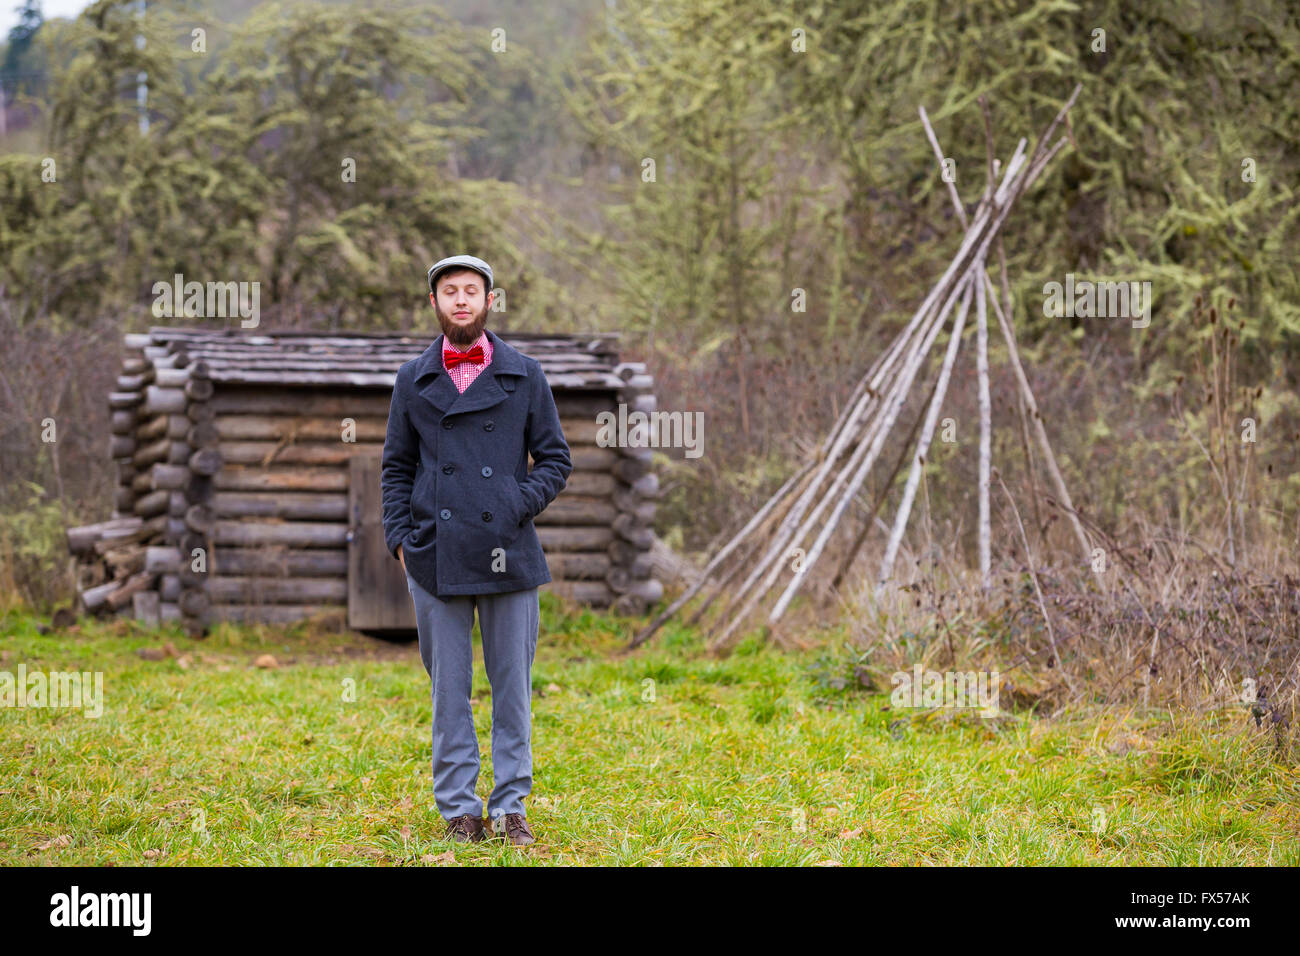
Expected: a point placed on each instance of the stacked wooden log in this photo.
(110, 564)
(163, 444)
(636, 490)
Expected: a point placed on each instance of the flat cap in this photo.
(460, 262)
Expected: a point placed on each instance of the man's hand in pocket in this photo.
(401, 556)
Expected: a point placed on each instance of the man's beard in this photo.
(462, 337)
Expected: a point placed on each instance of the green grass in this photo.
(664, 757)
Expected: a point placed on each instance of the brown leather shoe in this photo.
(513, 827)
(467, 828)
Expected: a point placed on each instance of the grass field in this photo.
(664, 757)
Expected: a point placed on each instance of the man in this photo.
(459, 504)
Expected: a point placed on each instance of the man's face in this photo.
(461, 303)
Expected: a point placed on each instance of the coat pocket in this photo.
(519, 515)
(422, 497)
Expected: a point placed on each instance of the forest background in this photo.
(743, 189)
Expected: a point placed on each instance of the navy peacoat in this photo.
(457, 493)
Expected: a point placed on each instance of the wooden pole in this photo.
(986, 427)
(923, 446)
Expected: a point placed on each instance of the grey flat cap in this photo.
(460, 262)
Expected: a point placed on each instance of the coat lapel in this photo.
(485, 391)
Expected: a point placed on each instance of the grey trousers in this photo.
(508, 623)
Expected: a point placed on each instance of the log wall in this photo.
(232, 492)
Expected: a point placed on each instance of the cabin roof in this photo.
(577, 361)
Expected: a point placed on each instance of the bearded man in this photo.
(458, 509)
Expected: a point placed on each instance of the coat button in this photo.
(448, 469)
(487, 516)
(487, 471)
(488, 426)
(446, 423)
(444, 514)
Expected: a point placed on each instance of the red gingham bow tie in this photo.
(453, 358)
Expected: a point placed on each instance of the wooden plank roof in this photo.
(371, 359)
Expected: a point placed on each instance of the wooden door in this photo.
(378, 599)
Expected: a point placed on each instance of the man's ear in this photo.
(433, 300)
(487, 303)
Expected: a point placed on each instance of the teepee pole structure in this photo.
(985, 224)
(794, 527)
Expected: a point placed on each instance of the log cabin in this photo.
(248, 469)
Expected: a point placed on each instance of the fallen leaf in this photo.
(58, 842)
